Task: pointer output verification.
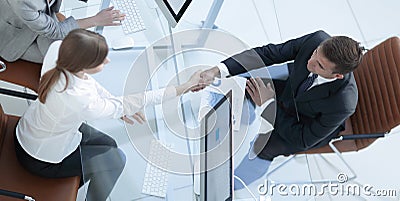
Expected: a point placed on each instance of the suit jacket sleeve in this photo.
(308, 133)
(38, 21)
(267, 55)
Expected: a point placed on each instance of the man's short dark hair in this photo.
(343, 51)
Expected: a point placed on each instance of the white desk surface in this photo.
(129, 71)
(129, 186)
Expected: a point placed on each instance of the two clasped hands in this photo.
(255, 87)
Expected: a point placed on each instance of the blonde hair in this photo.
(80, 49)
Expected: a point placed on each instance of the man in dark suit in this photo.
(311, 105)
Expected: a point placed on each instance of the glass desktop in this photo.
(158, 62)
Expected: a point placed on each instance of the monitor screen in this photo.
(173, 9)
(216, 161)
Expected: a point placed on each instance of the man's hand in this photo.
(138, 116)
(258, 91)
(207, 77)
(194, 81)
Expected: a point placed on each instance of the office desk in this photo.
(156, 63)
(130, 138)
(133, 71)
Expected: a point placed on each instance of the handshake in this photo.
(255, 87)
(202, 79)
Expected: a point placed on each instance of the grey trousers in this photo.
(97, 159)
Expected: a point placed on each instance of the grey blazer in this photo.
(23, 22)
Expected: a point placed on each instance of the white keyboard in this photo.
(156, 180)
(133, 20)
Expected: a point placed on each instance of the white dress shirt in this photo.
(318, 81)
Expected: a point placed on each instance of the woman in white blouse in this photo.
(51, 135)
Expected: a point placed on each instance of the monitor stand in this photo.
(209, 23)
(196, 179)
(213, 26)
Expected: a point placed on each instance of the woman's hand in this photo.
(192, 83)
(109, 17)
(138, 116)
(106, 17)
(207, 77)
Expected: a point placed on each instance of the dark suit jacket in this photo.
(321, 110)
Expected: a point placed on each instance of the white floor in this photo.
(258, 22)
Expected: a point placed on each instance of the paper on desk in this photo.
(221, 87)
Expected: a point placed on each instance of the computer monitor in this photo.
(173, 9)
(216, 161)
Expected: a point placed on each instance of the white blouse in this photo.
(49, 132)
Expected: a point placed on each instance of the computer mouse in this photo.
(122, 43)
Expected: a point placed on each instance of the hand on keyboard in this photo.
(109, 17)
(134, 21)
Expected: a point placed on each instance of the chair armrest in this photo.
(18, 94)
(16, 195)
(362, 136)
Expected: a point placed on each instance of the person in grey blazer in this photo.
(28, 27)
(311, 105)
